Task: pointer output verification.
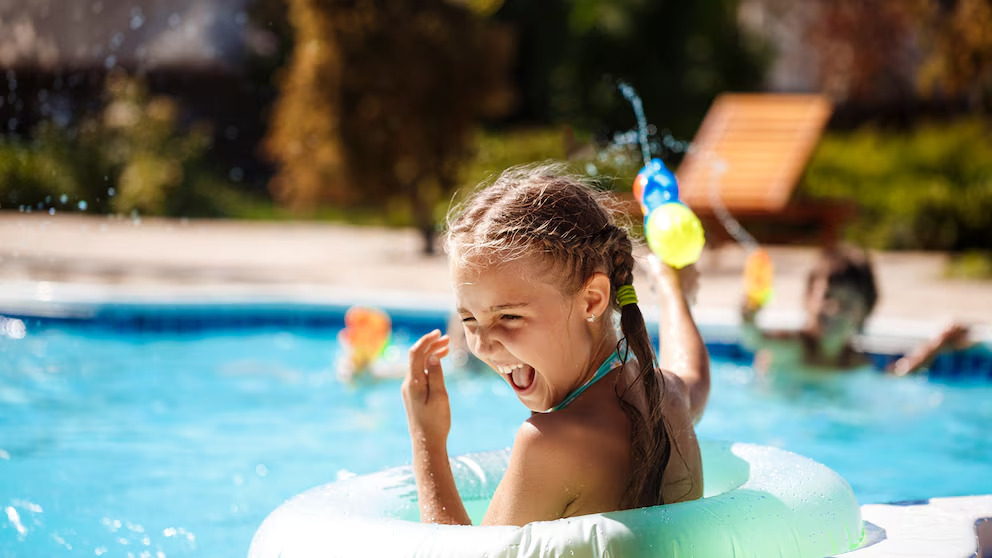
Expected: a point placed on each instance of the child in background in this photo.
(543, 281)
(840, 295)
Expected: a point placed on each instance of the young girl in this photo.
(543, 278)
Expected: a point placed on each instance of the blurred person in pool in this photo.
(840, 295)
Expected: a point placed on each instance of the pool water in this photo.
(128, 443)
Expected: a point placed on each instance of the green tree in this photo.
(677, 55)
(380, 102)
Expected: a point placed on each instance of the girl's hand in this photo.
(667, 279)
(954, 336)
(424, 395)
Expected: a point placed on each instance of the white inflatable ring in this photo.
(759, 501)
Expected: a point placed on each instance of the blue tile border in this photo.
(974, 364)
(202, 318)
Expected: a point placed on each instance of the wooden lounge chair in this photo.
(764, 142)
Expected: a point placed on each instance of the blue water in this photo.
(116, 443)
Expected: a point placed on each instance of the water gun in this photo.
(758, 274)
(673, 231)
(366, 335)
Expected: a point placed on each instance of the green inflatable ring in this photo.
(759, 501)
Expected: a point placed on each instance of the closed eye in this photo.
(510, 317)
(468, 319)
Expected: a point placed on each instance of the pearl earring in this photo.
(591, 318)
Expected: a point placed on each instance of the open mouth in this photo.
(521, 376)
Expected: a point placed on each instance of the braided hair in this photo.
(542, 210)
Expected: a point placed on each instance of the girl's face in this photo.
(838, 310)
(518, 322)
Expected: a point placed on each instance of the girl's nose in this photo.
(485, 345)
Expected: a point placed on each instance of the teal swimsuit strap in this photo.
(608, 365)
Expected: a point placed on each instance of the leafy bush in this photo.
(930, 188)
(130, 155)
(972, 264)
(611, 167)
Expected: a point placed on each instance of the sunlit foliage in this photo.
(930, 188)
(130, 154)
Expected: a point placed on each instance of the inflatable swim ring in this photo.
(759, 501)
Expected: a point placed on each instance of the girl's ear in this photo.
(596, 295)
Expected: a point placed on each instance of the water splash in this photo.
(642, 123)
(15, 520)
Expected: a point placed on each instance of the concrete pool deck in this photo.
(46, 259)
(933, 528)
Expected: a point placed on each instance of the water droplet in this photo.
(82, 205)
(51, 211)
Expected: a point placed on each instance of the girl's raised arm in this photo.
(682, 350)
(429, 417)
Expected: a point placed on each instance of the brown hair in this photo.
(849, 266)
(540, 209)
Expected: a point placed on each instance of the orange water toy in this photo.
(758, 275)
(366, 334)
(673, 231)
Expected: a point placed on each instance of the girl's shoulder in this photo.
(585, 455)
(591, 430)
(579, 428)
(557, 469)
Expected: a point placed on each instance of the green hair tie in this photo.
(626, 295)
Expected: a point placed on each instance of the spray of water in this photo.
(642, 123)
(717, 164)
